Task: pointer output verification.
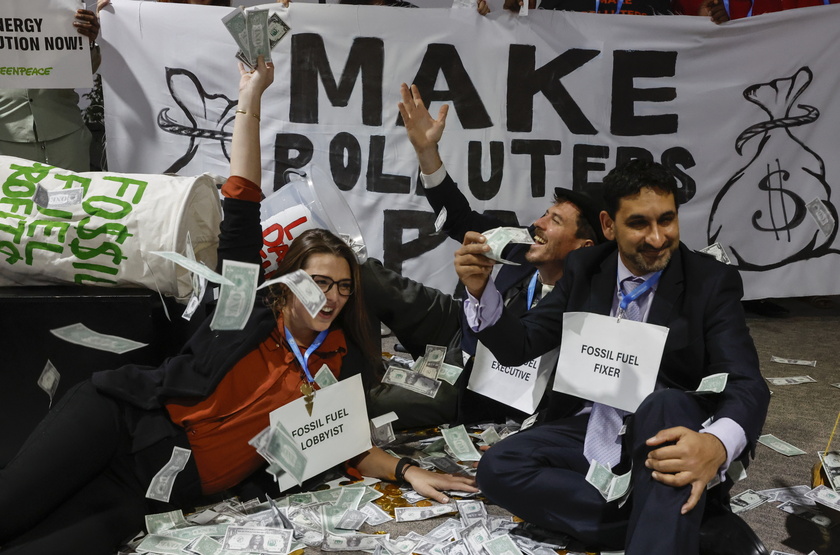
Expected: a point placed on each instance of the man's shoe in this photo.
(725, 533)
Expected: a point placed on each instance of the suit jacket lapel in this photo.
(603, 286)
(671, 286)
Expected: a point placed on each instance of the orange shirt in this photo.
(220, 426)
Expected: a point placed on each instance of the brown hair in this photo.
(352, 320)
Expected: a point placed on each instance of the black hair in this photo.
(631, 177)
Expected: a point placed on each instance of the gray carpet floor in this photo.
(802, 415)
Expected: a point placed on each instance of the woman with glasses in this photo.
(79, 483)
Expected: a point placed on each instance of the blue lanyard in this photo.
(532, 288)
(304, 359)
(618, 5)
(637, 292)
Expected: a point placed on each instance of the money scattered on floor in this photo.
(460, 443)
(160, 488)
(779, 445)
(831, 465)
(413, 381)
(792, 380)
(794, 361)
(500, 237)
(405, 514)
(795, 494)
(48, 380)
(811, 514)
(79, 334)
(825, 496)
(746, 500)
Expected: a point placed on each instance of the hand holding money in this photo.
(472, 264)
(501, 237)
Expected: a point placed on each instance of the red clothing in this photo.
(740, 8)
(242, 189)
(220, 426)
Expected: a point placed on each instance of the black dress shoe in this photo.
(725, 533)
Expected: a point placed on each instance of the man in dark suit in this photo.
(676, 443)
(570, 222)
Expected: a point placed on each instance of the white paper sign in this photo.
(609, 361)
(41, 49)
(337, 430)
(279, 230)
(520, 387)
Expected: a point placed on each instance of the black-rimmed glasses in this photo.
(345, 286)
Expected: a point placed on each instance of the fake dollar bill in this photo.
(413, 381)
(746, 500)
(792, 380)
(194, 266)
(236, 301)
(831, 465)
(406, 514)
(822, 216)
(794, 361)
(48, 380)
(780, 446)
(304, 288)
(257, 540)
(713, 384)
(825, 496)
(717, 250)
(79, 334)
(160, 488)
(811, 514)
(500, 237)
(449, 373)
(460, 443)
(432, 360)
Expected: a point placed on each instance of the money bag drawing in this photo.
(760, 215)
(199, 116)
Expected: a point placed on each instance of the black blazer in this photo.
(698, 299)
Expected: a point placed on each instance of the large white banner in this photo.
(39, 46)
(745, 114)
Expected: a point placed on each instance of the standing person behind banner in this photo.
(624, 7)
(78, 484)
(481, 5)
(46, 125)
(677, 442)
(721, 11)
(570, 223)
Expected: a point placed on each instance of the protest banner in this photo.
(40, 48)
(742, 113)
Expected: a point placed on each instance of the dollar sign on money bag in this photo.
(760, 214)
